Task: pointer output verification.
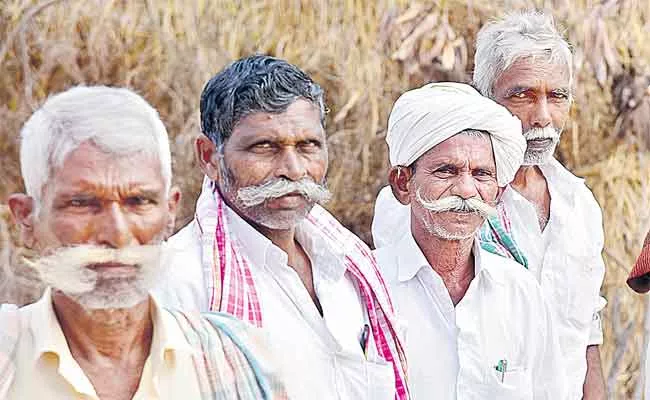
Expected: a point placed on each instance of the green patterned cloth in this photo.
(494, 237)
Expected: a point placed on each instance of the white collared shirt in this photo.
(321, 356)
(566, 260)
(46, 369)
(453, 351)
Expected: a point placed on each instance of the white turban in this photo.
(425, 117)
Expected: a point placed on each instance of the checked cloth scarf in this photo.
(232, 290)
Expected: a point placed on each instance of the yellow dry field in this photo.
(364, 54)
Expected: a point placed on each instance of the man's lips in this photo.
(114, 269)
(288, 201)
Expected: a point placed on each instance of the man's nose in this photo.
(541, 117)
(291, 165)
(465, 187)
(113, 228)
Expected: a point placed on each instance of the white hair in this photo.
(118, 121)
(518, 35)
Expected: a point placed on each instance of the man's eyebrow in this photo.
(563, 90)
(516, 90)
(145, 192)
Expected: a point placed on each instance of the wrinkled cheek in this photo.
(152, 229)
(65, 231)
(489, 194)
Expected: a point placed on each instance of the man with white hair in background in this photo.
(97, 170)
(523, 63)
(478, 326)
(262, 248)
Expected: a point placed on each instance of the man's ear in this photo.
(398, 178)
(207, 156)
(172, 205)
(22, 210)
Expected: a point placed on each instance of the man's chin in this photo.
(110, 300)
(279, 219)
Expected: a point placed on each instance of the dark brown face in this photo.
(538, 93)
(265, 147)
(97, 198)
(461, 166)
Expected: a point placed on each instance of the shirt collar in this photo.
(563, 187)
(49, 339)
(167, 335)
(410, 259)
(553, 170)
(327, 260)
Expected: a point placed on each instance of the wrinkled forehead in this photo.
(300, 117)
(473, 148)
(535, 73)
(90, 168)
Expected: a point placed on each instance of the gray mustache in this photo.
(547, 132)
(251, 196)
(457, 204)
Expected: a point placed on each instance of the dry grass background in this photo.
(364, 53)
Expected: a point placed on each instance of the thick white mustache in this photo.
(67, 268)
(548, 132)
(457, 204)
(253, 195)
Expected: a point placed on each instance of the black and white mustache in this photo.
(251, 196)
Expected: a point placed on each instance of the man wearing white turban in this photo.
(477, 325)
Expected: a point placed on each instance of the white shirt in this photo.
(452, 351)
(45, 368)
(321, 357)
(566, 259)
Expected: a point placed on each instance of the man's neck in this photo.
(116, 336)
(527, 175)
(453, 260)
(297, 258)
(110, 346)
(532, 185)
(285, 239)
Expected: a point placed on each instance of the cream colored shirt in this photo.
(47, 370)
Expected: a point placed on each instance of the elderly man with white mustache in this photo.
(263, 250)
(477, 325)
(97, 170)
(523, 63)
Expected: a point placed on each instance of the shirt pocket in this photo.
(381, 380)
(514, 384)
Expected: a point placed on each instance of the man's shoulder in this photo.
(386, 258)
(226, 344)
(183, 285)
(569, 184)
(186, 239)
(508, 271)
(517, 284)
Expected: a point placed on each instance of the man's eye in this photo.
(483, 174)
(445, 171)
(262, 146)
(311, 145)
(138, 201)
(520, 95)
(560, 95)
(83, 202)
